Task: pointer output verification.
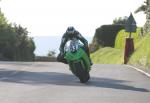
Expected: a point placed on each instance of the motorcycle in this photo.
(78, 60)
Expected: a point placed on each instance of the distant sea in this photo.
(44, 44)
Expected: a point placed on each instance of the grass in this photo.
(114, 55)
(120, 39)
(141, 56)
(108, 55)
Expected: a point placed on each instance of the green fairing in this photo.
(77, 56)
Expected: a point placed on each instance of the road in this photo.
(37, 82)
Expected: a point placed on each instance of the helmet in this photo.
(70, 30)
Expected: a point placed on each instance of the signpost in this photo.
(130, 26)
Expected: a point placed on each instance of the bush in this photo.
(15, 44)
(106, 34)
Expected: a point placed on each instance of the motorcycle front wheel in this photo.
(81, 73)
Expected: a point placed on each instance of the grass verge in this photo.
(140, 58)
(108, 55)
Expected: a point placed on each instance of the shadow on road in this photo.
(54, 78)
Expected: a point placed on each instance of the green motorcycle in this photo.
(78, 60)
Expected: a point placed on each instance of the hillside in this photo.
(108, 55)
(140, 58)
(120, 39)
(114, 55)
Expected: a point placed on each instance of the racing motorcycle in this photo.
(78, 60)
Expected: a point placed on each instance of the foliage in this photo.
(120, 38)
(106, 34)
(120, 21)
(51, 53)
(146, 9)
(143, 7)
(14, 42)
(141, 56)
(108, 55)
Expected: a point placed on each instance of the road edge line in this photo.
(139, 70)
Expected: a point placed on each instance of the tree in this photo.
(25, 44)
(7, 38)
(120, 20)
(14, 42)
(51, 53)
(143, 7)
(146, 9)
(3, 20)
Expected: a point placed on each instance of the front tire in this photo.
(85, 78)
(81, 73)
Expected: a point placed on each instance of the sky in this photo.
(52, 17)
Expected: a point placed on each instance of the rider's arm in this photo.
(82, 39)
(85, 42)
(63, 42)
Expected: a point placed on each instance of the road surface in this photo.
(28, 82)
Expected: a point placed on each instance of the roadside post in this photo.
(130, 26)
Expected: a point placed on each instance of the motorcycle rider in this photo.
(70, 34)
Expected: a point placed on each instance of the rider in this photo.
(69, 35)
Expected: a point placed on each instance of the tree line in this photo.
(15, 44)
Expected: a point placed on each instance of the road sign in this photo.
(130, 25)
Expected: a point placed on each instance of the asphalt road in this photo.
(54, 83)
